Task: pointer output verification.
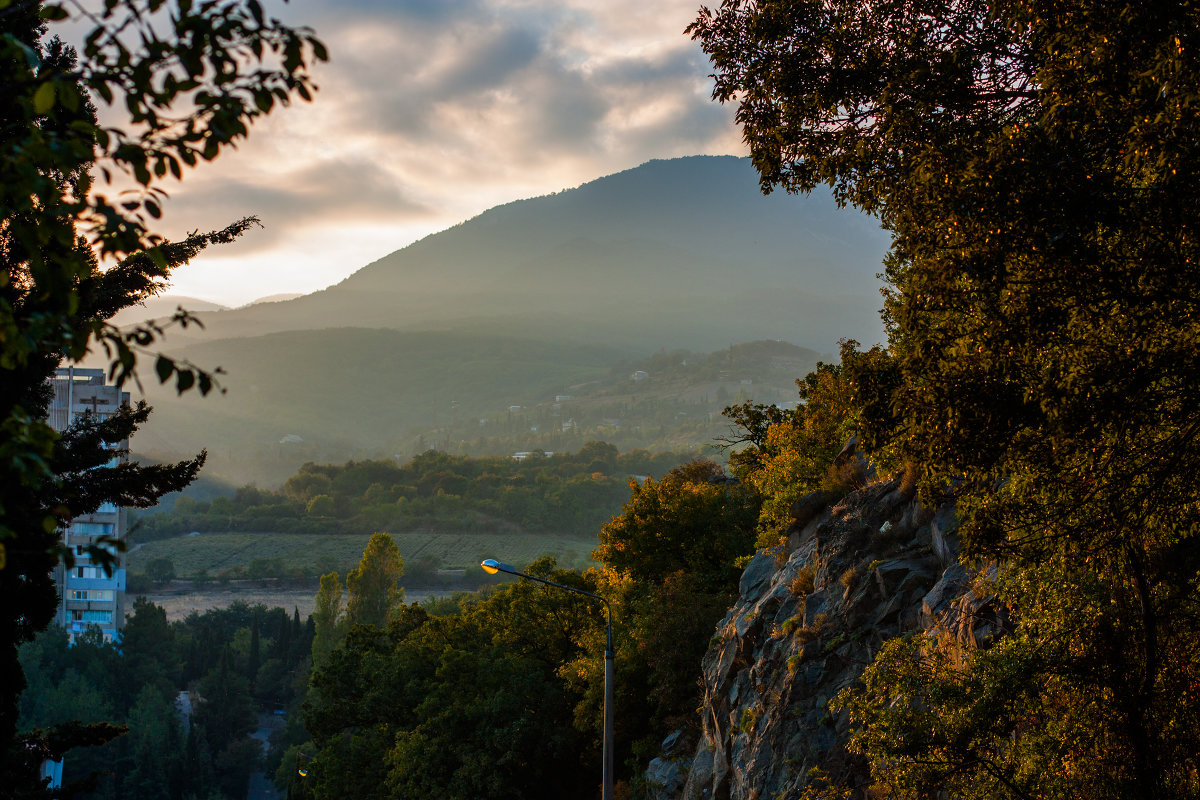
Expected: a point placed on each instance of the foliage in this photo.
(373, 589)
(189, 87)
(162, 754)
(328, 620)
(1031, 162)
(462, 705)
(693, 519)
(500, 694)
(944, 713)
(670, 570)
(791, 453)
(566, 493)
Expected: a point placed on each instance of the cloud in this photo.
(335, 191)
(437, 109)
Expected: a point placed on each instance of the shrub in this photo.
(161, 570)
(320, 506)
(849, 577)
(138, 583)
(802, 584)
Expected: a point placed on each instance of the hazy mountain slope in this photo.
(523, 303)
(679, 253)
(163, 306)
(352, 393)
(344, 391)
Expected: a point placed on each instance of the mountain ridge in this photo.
(695, 226)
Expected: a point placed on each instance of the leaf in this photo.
(68, 96)
(43, 98)
(164, 367)
(53, 13)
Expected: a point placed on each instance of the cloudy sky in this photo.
(431, 111)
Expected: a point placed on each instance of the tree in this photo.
(693, 519)
(671, 568)
(226, 717)
(161, 570)
(468, 704)
(1030, 160)
(190, 87)
(791, 453)
(373, 589)
(148, 645)
(328, 619)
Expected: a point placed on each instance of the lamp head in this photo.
(491, 566)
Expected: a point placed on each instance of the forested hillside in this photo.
(570, 494)
(355, 394)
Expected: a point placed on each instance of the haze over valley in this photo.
(465, 339)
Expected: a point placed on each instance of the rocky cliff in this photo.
(873, 565)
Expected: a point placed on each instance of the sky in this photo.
(432, 111)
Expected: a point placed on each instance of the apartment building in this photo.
(88, 596)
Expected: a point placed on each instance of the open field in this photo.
(320, 553)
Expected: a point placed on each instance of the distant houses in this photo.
(524, 454)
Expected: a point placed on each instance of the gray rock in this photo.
(780, 659)
(809, 506)
(943, 537)
(758, 572)
(698, 782)
(666, 778)
(950, 586)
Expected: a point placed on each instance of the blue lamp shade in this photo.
(491, 566)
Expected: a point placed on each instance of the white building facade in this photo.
(87, 595)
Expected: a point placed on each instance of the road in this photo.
(261, 785)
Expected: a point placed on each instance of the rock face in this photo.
(873, 565)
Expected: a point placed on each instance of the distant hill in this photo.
(680, 253)
(351, 393)
(563, 295)
(273, 298)
(163, 306)
(339, 393)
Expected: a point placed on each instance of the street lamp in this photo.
(491, 566)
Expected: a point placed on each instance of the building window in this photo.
(79, 594)
(93, 528)
(97, 616)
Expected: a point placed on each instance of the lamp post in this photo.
(491, 566)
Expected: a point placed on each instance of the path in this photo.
(261, 785)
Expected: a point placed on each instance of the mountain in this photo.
(554, 296)
(274, 298)
(163, 306)
(681, 253)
